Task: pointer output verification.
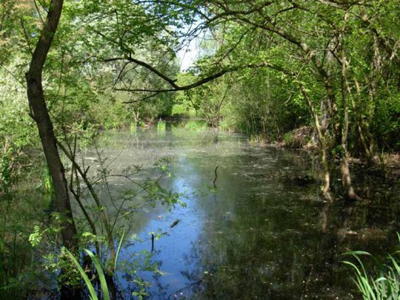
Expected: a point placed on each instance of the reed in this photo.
(99, 270)
(378, 285)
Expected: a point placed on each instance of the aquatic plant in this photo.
(132, 268)
(99, 269)
(161, 127)
(196, 126)
(46, 183)
(133, 127)
(381, 284)
(88, 283)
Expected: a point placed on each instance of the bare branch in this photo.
(206, 79)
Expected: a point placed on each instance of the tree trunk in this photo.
(40, 114)
(322, 141)
(362, 126)
(344, 164)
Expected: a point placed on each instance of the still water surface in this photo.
(260, 234)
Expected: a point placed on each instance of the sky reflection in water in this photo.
(260, 235)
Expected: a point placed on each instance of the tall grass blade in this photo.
(103, 282)
(386, 286)
(89, 285)
(119, 249)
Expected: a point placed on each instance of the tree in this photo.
(40, 114)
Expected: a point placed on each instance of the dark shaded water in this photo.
(261, 234)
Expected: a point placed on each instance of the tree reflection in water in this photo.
(261, 234)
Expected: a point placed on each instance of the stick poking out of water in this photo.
(174, 223)
(216, 176)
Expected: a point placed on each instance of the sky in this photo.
(192, 51)
(188, 55)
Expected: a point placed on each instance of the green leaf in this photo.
(92, 292)
(100, 272)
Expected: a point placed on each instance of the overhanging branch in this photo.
(200, 82)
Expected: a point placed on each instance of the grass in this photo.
(161, 127)
(197, 126)
(379, 285)
(133, 127)
(99, 270)
(288, 138)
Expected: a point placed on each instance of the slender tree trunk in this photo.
(322, 141)
(103, 216)
(344, 164)
(41, 116)
(362, 126)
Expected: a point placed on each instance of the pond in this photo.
(254, 224)
(260, 233)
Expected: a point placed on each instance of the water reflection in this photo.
(259, 234)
